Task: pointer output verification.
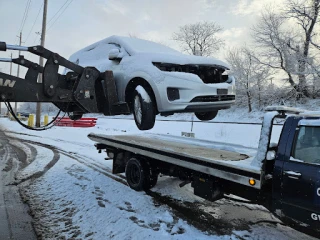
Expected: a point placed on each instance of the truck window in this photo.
(307, 145)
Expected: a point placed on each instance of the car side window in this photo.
(307, 145)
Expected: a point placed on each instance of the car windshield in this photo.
(143, 46)
(307, 145)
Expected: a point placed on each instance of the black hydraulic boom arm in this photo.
(82, 90)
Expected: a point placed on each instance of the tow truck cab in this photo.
(296, 174)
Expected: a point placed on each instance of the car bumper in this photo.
(195, 96)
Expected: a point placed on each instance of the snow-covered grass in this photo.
(234, 114)
(78, 198)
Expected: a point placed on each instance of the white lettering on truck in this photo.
(315, 217)
(318, 191)
(7, 83)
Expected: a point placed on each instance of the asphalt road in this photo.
(15, 222)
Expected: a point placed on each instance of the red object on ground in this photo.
(83, 122)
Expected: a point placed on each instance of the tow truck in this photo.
(284, 177)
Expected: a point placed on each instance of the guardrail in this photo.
(83, 122)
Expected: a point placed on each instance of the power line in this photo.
(57, 12)
(34, 22)
(60, 14)
(25, 16)
(37, 35)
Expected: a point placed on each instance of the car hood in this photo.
(181, 59)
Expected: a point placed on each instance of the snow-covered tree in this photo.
(289, 43)
(251, 76)
(30, 107)
(199, 38)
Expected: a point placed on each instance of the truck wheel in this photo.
(143, 109)
(206, 116)
(137, 175)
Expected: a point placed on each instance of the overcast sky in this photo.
(86, 21)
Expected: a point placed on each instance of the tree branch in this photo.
(315, 45)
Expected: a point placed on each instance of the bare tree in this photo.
(30, 107)
(27, 107)
(285, 42)
(249, 73)
(306, 14)
(199, 38)
(132, 35)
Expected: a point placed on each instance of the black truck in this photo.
(284, 176)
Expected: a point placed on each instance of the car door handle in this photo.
(291, 174)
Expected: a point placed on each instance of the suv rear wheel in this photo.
(206, 116)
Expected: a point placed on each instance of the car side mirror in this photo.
(114, 54)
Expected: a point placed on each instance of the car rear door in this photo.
(301, 178)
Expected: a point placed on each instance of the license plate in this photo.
(222, 91)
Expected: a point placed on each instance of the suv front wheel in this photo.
(143, 108)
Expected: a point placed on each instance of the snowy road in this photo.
(15, 223)
(72, 194)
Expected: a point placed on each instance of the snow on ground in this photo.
(97, 207)
(234, 114)
(77, 197)
(36, 166)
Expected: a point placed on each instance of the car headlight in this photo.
(227, 76)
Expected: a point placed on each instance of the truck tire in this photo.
(137, 175)
(143, 109)
(206, 116)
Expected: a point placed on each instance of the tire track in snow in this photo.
(81, 159)
(39, 174)
(55, 159)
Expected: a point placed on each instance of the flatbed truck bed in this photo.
(190, 154)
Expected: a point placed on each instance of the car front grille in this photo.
(218, 98)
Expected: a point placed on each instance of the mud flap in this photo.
(207, 189)
(118, 165)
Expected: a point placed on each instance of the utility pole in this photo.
(11, 65)
(10, 74)
(18, 71)
(43, 37)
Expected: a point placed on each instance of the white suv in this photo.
(153, 78)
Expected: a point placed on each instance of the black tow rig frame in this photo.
(82, 90)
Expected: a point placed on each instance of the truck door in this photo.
(301, 178)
